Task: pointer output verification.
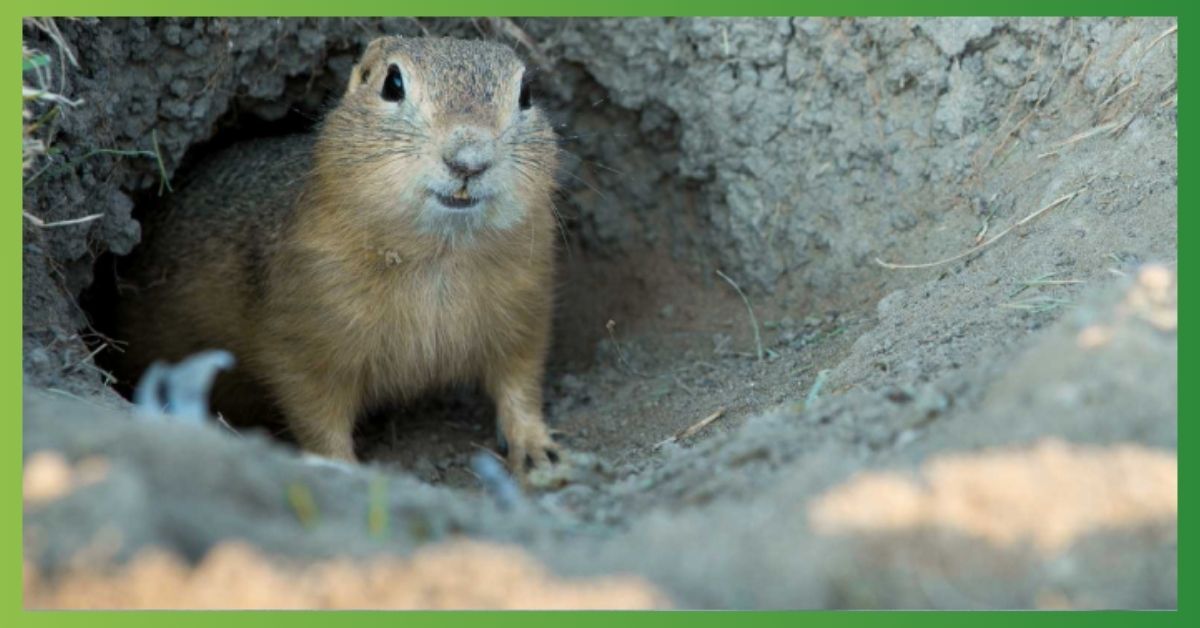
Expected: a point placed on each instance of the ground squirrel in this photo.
(409, 244)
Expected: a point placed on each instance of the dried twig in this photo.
(86, 358)
(512, 29)
(692, 429)
(487, 450)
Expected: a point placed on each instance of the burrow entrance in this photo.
(629, 308)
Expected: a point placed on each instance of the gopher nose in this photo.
(468, 154)
(466, 167)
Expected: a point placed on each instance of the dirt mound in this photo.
(234, 575)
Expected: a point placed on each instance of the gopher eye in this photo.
(525, 99)
(393, 85)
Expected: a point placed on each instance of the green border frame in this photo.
(10, 308)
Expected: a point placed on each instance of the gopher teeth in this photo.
(461, 195)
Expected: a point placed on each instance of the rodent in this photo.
(410, 244)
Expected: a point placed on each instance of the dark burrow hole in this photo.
(598, 281)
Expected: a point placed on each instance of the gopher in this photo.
(408, 245)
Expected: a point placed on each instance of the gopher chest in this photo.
(441, 326)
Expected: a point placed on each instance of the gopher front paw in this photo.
(528, 446)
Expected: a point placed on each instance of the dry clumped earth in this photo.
(957, 390)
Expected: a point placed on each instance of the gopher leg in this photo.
(516, 387)
(321, 414)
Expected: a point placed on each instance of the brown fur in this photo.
(309, 261)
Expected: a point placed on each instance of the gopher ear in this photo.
(368, 64)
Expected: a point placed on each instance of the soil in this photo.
(995, 429)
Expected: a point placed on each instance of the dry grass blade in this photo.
(34, 69)
(61, 223)
(815, 392)
(1083, 135)
(50, 28)
(301, 499)
(1062, 200)
(1120, 92)
(753, 319)
(33, 93)
(1037, 304)
(226, 425)
(378, 518)
(1170, 31)
(163, 181)
(611, 326)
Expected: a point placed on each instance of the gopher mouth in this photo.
(458, 201)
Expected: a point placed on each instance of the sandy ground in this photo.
(986, 430)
